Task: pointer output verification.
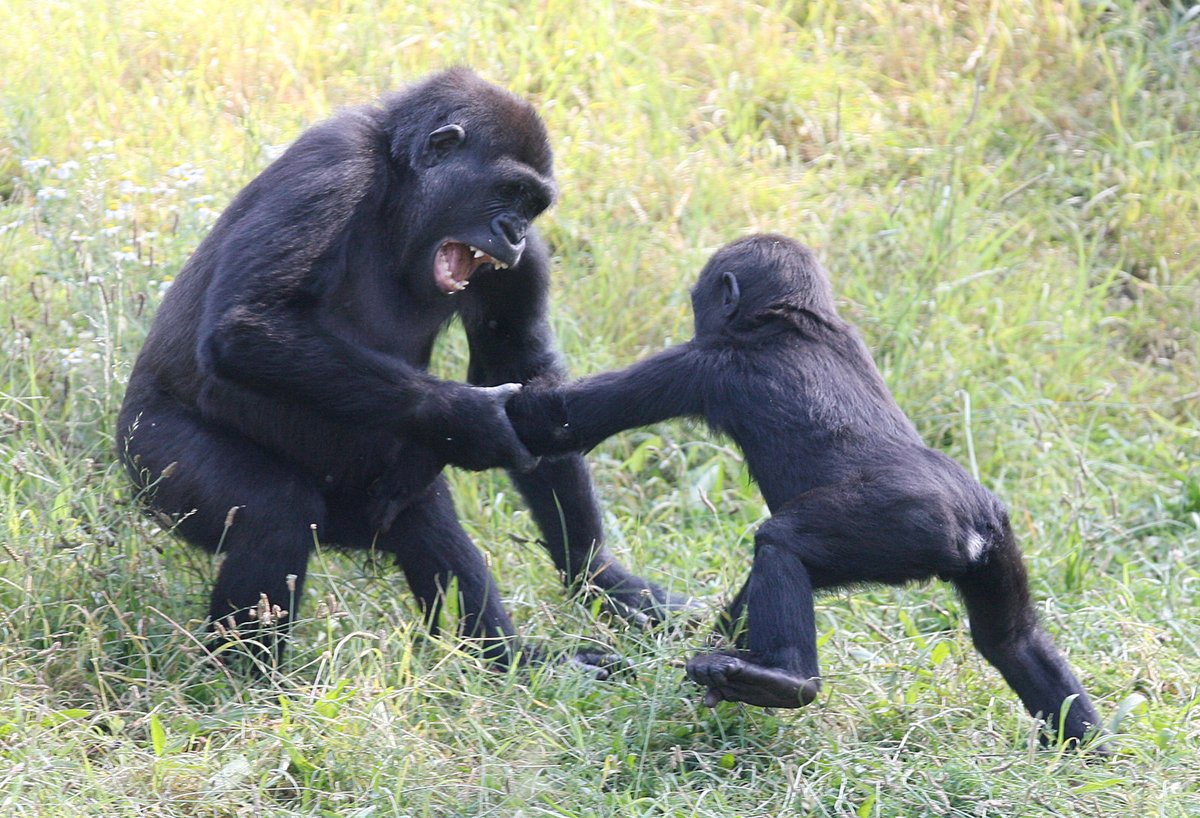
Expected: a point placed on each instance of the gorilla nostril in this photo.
(511, 228)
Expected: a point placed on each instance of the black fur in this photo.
(854, 493)
(282, 392)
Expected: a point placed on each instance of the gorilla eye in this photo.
(524, 195)
(514, 191)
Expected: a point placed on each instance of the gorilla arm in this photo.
(267, 324)
(578, 416)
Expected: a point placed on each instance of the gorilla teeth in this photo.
(476, 253)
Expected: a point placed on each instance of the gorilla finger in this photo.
(627, 613)
(661, 607)
(513, 455)
(599, 666)
(524, 461)
(610, 663)
(713, 669)
(500, 394)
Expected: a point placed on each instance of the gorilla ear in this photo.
(441, 142)
(732, 296)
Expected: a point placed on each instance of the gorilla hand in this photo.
(539, 416)
(474, 432)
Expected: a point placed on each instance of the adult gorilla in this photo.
(283, 390)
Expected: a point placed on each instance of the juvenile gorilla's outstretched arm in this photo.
(511, 341)
(576, 417)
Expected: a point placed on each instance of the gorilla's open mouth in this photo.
(455, 262)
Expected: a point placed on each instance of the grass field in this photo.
(1008, 198)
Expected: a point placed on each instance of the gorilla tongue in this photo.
(455, 262)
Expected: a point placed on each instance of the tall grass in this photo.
(1007, 197)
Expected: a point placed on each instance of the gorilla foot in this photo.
(647, 605)
(598, 665)
(738, 678)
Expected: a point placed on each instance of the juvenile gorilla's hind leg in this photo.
(1005, 629)
(778, 667)
(858, 530)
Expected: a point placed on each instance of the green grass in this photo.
(1007, 197)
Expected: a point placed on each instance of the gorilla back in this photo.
(282, 392)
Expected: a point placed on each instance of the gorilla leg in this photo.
(1005, 630)
(560, 497)
(879, 531)
(859, 531)
(779, 668)
(436, 555)
(438, 558)
(228, 496)
(731, 623)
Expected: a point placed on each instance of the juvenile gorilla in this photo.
(282, 393)
(854, 493)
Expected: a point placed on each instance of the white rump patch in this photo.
(975, 545)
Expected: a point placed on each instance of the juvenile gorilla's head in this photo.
(476, 169)
(752, 280)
